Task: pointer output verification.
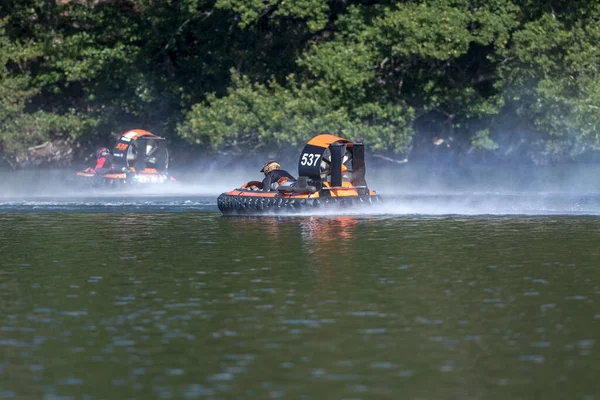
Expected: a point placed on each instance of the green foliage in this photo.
(482, 140)
(254, 115)
(232, 73)
(19, 128)
(383, 66)
(553, 79)
(314, 12)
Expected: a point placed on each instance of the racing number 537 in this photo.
(309, 159)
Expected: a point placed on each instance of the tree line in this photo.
(487, 78)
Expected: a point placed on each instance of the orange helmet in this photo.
(271, 165)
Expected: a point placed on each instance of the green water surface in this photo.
(196, 305)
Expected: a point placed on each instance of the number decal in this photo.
(122, 146)
(310, 159)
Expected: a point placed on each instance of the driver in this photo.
(104, 163)
(275, 176)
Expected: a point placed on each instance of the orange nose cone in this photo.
(344, 169)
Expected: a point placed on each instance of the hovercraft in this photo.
(331, 175)
(139, 158)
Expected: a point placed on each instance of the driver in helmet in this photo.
(275, 176)
(104, 163)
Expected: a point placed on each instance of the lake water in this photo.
(447, 297)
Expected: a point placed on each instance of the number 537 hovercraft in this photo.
(139, 157)
(331, 173)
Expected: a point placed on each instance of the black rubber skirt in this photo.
(256, 205)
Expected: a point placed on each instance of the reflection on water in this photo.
(321, 234)
(195, 305)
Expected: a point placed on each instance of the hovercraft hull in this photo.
(252, 203)
(118, 180)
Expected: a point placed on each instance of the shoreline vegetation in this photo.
(486, 81)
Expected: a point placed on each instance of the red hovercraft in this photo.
(331, 173)
(142, 156)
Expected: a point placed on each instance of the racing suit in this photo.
(275, 178)
(103, 166)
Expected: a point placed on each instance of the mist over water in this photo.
(31, 184)
(406, 190)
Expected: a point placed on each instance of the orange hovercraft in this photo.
(331, 173)
(139, 158)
